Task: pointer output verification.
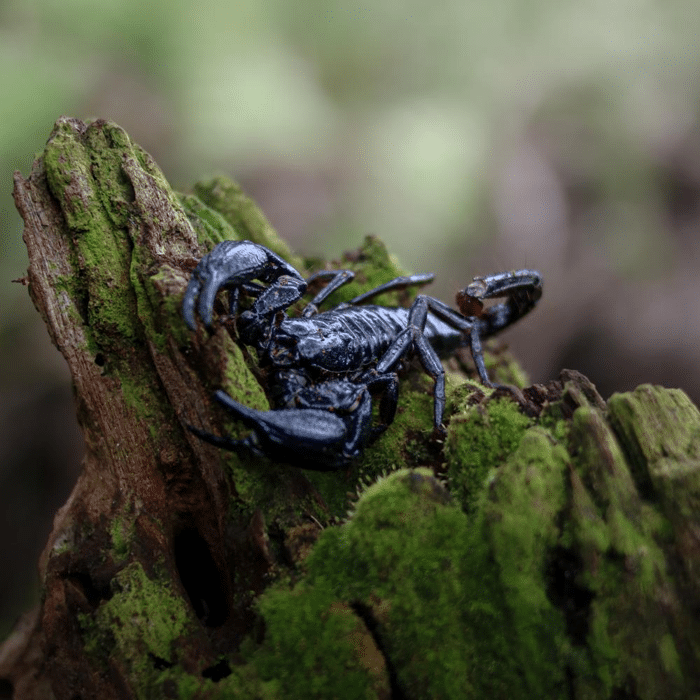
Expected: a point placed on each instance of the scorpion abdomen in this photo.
(352, 337)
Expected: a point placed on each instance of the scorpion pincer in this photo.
(325, 366)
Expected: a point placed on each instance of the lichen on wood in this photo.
(547, 546)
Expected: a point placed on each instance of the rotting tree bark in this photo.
(566, 563)
(109, 245)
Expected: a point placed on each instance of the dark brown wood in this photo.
(108, 244)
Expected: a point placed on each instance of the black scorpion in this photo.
(326, 366)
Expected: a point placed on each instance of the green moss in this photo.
(408, 557)
(210, 226)
(478, 440)
(141, 623)
(226, 197)
(308, 648)
(165, 301)
(238, 379)
(669, 656)
(108, 301)
(68, 174)
(414, 417)
(120, 213)
(520, 518)
(620, 538)
(660, 431)
(102, 291)
(394, 560)
(122, 531)
(242, 683)
(85, 174)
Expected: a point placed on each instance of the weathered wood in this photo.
(562, 559)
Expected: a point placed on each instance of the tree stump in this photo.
(548, 547)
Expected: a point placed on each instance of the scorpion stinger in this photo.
(325, 367)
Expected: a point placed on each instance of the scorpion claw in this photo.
(201, 292)
(307, 437)
(231, 265)
(205, 305)
(188, 302)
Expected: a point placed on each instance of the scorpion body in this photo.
(351, 337)
(325, 367)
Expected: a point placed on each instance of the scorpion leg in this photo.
(387, 385)
(338, 279)
(341, 277)
(397, 283)
(413, 337)
(523, 288)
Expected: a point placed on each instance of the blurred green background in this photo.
(472, 137)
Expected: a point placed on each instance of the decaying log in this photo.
(548, 547)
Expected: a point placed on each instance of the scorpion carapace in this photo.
(326, 367)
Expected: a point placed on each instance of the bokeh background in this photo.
(471, 136)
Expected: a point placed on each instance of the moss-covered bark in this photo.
(548, 546)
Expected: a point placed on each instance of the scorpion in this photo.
(325, 367)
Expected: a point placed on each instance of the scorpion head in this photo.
(289, 346)
(282, 350)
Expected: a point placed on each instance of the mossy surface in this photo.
(552, 583)
(227, 198)
(396, 580)
(478, 441)
(100, 180)
(410, 557)
(140, 624)
(546, 548)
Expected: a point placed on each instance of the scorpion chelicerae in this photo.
(326, 366)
